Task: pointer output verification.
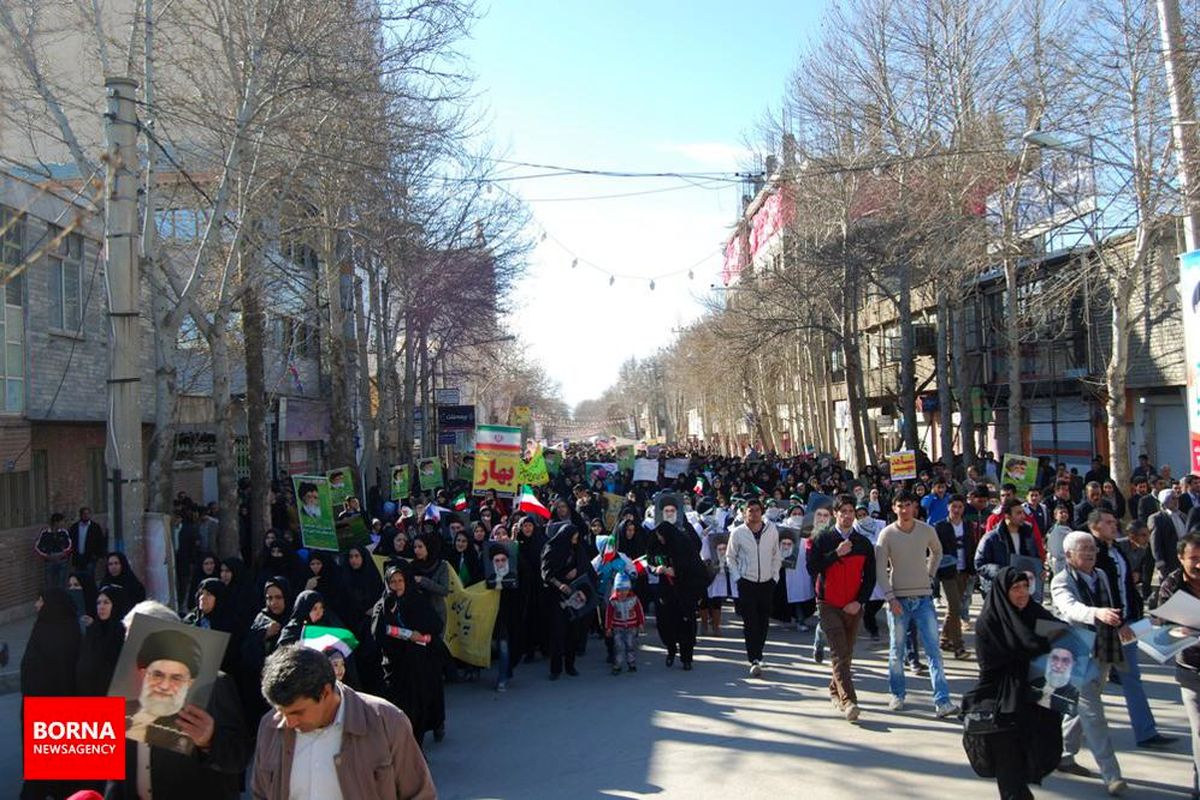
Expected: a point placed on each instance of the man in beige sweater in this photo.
(907, 555)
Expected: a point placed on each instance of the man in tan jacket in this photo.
(325, 741)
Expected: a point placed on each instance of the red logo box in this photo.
(74, 738)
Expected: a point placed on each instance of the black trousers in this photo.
(1012, 767)
(676, 627)
(755, 602)
(565, 636)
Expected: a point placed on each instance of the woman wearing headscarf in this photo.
(212, 611)
(430, 574)
(323, 577)
(1026, 739)
(241, 596)
(682, 580)
(310, 609)
(260, 641)
(530, 541)
(102, 641)
(121, 574)
(48, 666)
(464, 560)
(396, 546)
(207, 566)
(361, 589)
(406, 630)
(81, 587)
(479, 536)
(563, 562)
(277, 560)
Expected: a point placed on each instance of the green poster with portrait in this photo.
(401, 482)
(466, 467)
(341, 486)
(553, 460)
(625, 457)
(429, 474)
(315, 510)
(1020, 471)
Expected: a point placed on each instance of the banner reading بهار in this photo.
(1189, 293)
(497, 459)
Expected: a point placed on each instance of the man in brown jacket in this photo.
(325, 741)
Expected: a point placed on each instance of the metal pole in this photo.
(1183, 113)
(123, 453)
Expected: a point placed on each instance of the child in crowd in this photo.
(623, 621)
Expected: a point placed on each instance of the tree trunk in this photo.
(161, 470)
(860, 425)
(384, 371)
(908, 378)
(1012, 341)
(341, 440)
(227, 495)
(409, 402)
(369, 463)
(254, 338)
(1114, 376)
(962, 381)
(943, 378)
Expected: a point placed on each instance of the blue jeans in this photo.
(919, 609)
(1140, 716)
(968, 593)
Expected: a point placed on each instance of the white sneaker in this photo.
(1116, 787)
(755, 669)
(947, 710)
(896, 703)
(851, 711)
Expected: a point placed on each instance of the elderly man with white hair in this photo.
(1083, 597)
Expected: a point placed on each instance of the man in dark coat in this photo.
(89, 542)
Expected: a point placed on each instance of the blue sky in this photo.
(651, 87)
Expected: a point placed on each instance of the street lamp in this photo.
(1043, 139)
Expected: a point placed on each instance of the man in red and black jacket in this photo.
(842, 563)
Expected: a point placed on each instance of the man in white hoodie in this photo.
(753, 555)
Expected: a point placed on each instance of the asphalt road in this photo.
(716, 733)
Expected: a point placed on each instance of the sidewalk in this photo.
(16, 635)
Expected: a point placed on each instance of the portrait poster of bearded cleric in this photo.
(164, 667)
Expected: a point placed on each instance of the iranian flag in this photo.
(699, 487)
(319, 637)
(529, 503)
(460, 502)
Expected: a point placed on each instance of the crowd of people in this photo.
(801, 540)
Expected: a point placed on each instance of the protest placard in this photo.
(315, 510)
(645, 469)
(675, 467)
(903, 465)
(1020, 471)
(401, 482)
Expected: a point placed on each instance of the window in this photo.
(66, 278)
(295, 338)
(181, 224)
(96, 497)
(12, 314)
(24, 499)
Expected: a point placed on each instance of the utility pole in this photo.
(123, 453)
(1183, 113)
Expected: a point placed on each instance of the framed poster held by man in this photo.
(165, 673)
